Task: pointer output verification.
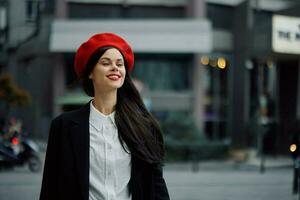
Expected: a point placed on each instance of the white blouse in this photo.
(110, 165)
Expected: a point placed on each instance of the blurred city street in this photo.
(215, 180)
(221, 78)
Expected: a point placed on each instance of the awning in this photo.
(161, 36)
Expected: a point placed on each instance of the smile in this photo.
(113, 76)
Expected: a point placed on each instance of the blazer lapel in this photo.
(79, 134)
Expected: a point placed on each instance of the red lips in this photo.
(114, 76)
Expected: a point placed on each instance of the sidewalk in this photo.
(272, 162)
(252, 163)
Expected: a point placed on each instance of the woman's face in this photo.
(109, 72)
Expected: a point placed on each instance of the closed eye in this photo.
(120, 64)
(105, 63)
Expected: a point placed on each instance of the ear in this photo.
(91, 76)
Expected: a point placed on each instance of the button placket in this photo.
(108, 150)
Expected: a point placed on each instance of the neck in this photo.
(105, 102)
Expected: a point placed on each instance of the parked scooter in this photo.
(19, 150)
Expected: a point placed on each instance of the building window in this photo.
(216, 95)
(220, 16)
(159, 12)
(33, 8)
(79, 10)
(164, 72)
(93, 11)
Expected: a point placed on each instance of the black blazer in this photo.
(66, 171)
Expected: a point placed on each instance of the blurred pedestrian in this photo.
(111, 148)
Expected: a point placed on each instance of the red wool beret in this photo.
(100, 40)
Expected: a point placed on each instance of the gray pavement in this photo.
(19, 184)
(214, 180)
(209, 180)
(239, 184)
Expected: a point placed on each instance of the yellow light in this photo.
(221, 63)
(293, 147)
(204, 60)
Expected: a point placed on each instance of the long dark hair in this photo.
(136, 126)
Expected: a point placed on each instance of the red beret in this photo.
(100, 40)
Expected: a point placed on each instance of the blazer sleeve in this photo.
(49, 182)
(161, 191)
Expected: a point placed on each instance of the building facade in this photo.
(206, 62)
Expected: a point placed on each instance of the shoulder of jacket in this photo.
(67, 116)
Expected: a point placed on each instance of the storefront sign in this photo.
(286, 34)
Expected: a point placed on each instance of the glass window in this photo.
(108, 11)
(262, 16)
(164, 72)
(49, 6)
(216, 91)
(33, 8)
(156, 12)
(92, 10)
(220, 16)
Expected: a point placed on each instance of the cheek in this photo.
(123, 79)
(97, 73)
(123, 72)
(123, 76)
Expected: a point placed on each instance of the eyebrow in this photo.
(119, 59)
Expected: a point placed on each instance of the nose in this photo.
(115, 67)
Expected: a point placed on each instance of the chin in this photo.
(116, 86)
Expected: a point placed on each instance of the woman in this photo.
(111, 148)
